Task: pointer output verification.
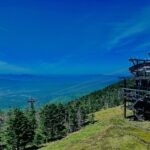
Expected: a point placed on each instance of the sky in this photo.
(72, 36)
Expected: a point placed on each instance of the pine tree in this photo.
(72, 118)
(39, 136)
(18, 133)
(52, 118)
(60, 122)
(1, 127)
(68, 119)
(31, 115)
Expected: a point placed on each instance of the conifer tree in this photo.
(1, 126)
(31, 115)
(18, 132)
(52, 118)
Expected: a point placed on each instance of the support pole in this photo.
(125, 109)
(31, 101)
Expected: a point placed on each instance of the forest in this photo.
(29, 128)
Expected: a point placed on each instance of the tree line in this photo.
(22, 129)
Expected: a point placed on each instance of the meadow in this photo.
(110, 132)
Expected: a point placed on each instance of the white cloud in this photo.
(137, 25)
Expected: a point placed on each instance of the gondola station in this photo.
(137, 96)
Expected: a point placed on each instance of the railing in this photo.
(144, 65)
(135, 94)
(135, 90)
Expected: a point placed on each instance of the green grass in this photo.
(110, 132)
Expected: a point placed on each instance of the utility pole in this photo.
(124, 96)
(125, 86)
(31, 101)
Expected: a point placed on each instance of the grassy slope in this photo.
(110, 132)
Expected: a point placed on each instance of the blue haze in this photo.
(15, 90)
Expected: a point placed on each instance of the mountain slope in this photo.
(110, 132)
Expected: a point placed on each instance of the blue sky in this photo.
(72, 36)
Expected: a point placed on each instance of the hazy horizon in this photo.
(16, 90)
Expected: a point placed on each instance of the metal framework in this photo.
(137, 97)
